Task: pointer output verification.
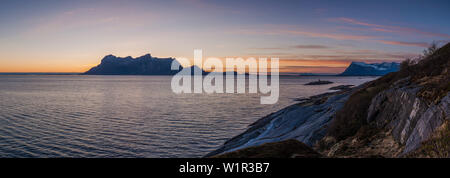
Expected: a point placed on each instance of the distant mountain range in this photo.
(375, 69)
(144, 65)
(148, 65)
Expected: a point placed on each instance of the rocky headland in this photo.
(401, 114)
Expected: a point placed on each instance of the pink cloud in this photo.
(329, 35)
(391, 29)
(294, 30)
(417, 44)
(335, 36)
(353, 21)
(382, 30)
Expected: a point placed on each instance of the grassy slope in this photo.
(437, 147)
(432, 73)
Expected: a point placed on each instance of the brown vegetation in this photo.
(436, 147)
(431, 73)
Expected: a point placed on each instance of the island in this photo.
(143, 65)
(319, 82)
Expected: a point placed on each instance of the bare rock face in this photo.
(399, 124)
(411, 119)
(402, 114)
(283, 149)
(438, 146)
(306, 122)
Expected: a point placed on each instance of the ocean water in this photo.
(129, 116)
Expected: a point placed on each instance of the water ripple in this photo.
(126, 116)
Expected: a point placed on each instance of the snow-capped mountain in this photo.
(375, 69)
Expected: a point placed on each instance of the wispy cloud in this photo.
(266, 48)
(388, 28)
(292, 30)
(88, 18)
(353, 21)
(211, 6)
(402, 43)
(336, 54)
(310, 47)
(335, 36)
(307, 69)
(300, 46)
(277, 29)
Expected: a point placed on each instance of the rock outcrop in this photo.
(402, 114)
(306, 122)
(283, 149)
(397, 114)
(410, 118)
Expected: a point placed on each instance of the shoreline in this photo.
(305, 121)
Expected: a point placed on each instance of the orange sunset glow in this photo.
(73, 37)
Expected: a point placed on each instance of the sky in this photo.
(307, 36)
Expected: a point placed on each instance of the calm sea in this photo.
(128, 116)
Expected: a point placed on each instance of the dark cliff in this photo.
(144, 65)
